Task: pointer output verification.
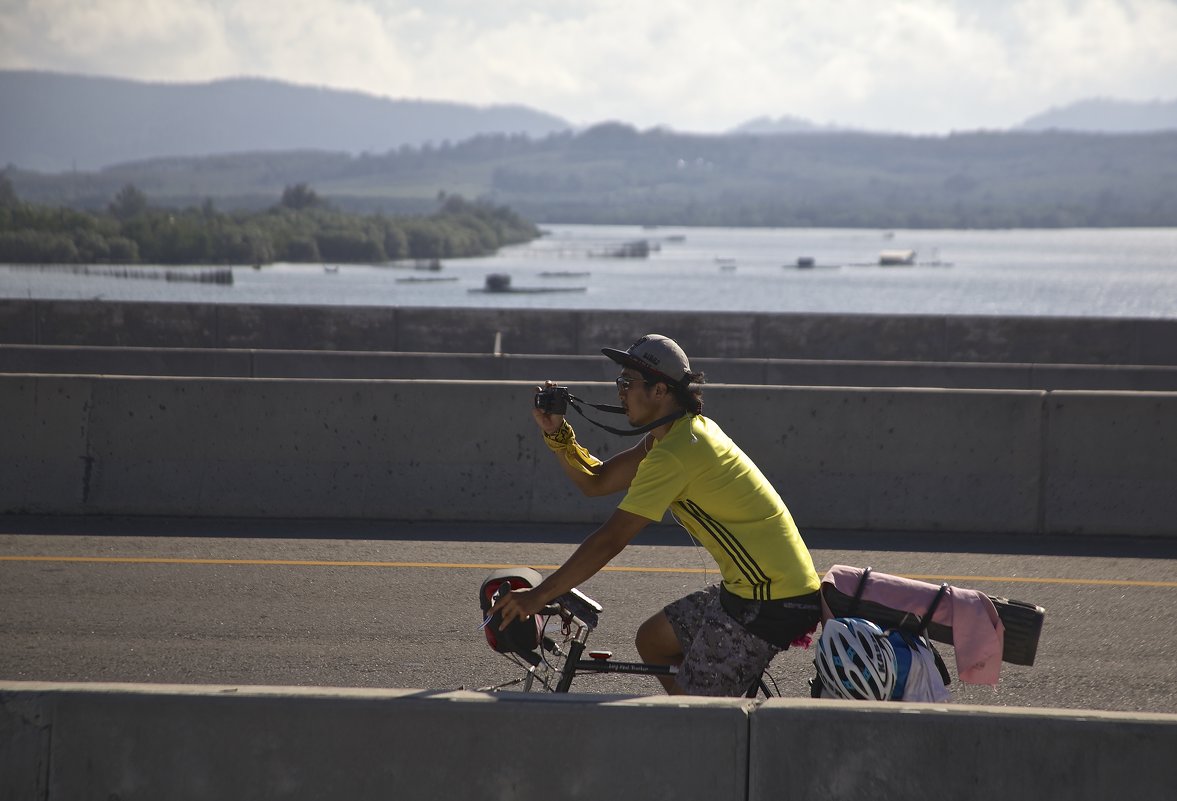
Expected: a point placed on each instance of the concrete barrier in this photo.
(254, 363)
(902, 459)
(800, 748)
(74, 741)
(867, 459)
(107, 360)
(942, 338)
(191, 742)
(1108, 455)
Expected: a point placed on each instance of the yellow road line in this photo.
(170, 560)
(166, 560)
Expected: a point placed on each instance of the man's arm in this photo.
(591, 476)
(594, 553)
(605, 478)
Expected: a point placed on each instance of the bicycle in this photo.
(550, 647)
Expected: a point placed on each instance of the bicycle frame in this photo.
(578, 615)
(573, 664)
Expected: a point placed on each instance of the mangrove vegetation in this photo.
(300, 227)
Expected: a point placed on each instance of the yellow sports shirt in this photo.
(718, 495)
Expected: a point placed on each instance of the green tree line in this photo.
(301, 227)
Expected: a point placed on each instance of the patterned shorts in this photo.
(721, 657)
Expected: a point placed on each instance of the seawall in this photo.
(915, 337)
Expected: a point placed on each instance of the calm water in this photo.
(1105, 273)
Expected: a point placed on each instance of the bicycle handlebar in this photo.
(576, 605)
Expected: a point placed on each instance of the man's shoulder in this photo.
(698, 425)
(689, 433)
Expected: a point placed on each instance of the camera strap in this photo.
(604, 407)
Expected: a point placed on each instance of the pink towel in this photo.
(977, 632)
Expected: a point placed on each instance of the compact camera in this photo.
(553, 400)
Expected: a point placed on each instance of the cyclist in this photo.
(721, 637)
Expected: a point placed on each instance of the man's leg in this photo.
(658, 645)
(722, 658)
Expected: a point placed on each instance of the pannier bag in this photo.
(983, 629)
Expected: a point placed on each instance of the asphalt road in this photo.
(394, 605)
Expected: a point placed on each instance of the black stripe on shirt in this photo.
(761, 589)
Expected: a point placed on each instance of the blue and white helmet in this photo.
(855, 660)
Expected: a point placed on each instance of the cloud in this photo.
(701, 65)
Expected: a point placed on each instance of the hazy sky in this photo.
(928, 66)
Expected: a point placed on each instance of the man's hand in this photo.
(517, 605)
(548, 423)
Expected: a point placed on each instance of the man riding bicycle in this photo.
(723, 637)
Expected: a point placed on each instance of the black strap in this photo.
(859, 590)
(932, 609)
(572, 401)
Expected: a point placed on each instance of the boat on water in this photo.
(906, 258)
(637, 249)
(897, 258)
(501, 283)
(810, 263)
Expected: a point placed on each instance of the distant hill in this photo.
(1107, 116)
(613, 173)
(53, 122)
(782, 125)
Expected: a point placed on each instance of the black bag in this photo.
(1023, 621)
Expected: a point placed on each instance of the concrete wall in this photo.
(148, 742)
(898, 459)
(764, 336)
(897, 752)
(134, 742)
(1110, 454)
(255, 363)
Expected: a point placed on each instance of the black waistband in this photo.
(798, 603)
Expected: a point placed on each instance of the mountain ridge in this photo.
(1106, 115)
(58, 121)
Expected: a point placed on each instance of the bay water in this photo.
(1069, 273)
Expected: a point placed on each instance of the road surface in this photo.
(315, 603)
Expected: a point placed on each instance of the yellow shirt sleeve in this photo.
(660, 480)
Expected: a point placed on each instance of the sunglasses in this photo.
(623, 382)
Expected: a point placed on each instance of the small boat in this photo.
(897, 258)
(498, 282)
(501, 283)
(637, 249)
(809, 263)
